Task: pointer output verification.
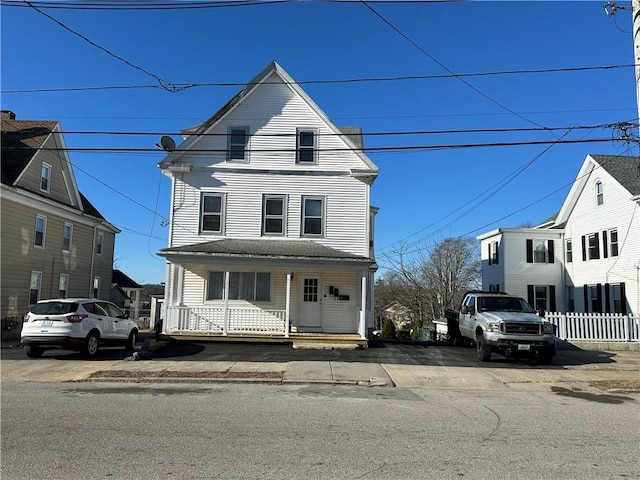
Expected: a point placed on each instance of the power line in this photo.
(185, 86)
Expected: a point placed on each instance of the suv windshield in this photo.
(54, 308)
(503, 304)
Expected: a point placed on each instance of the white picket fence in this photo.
(600, 327)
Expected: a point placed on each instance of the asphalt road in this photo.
(130, 431)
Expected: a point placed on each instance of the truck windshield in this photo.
(503, 304)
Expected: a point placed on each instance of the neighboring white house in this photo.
(271, 230)
(584, 259)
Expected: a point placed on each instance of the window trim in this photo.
(322, 217)
(99, 243)
(66, 284)
(221, 288)
(599, 193)
(245, 145)
(304, 148)
(282, 217)
(64, 238)
(45, 178)
(44, 231)
(222, 197)
(38, 275)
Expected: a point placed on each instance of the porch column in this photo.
(288, 305)
(225, 296)
(179, 284)
(362, 326)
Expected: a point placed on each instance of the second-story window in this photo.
(613, 242)
(41, 231)
(569, 251)
(45, 178)
(494, 259)
(306, 146)
(274, 215)
(540, 251)
(212, 213)
(313, 216)
(67, 234)
(599, 193)
(237, 145)
(590, 247)
(99, 243)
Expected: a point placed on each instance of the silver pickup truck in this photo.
(498, 322)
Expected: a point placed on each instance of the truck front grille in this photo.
(522, 328)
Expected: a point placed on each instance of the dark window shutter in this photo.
(586, 297)
(530, 296)
(529, 251)
(497, 253)
(623, 298)
(607, 298)
(584, 248)
(489, 252)
(550, 252)
(599, 289)
(605, 247)
(597, 245)
(552, 298)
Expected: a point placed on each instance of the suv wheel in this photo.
(33, 351)
(131, 341)
(484, 350)
(91, 347)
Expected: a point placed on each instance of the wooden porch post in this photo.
(362, 327)
(225, 296)
(287, 318)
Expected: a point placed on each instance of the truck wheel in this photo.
(484, 350)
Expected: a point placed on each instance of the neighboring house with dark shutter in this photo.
(125, 292)
(271, 232)
(54, 241)
(586, 258)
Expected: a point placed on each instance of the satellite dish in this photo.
(167, 143)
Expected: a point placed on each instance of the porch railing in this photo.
(606, 327)
(235, 320)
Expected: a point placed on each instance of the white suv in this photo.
(76, 324)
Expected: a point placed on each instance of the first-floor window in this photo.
(495, 287)
(63, 285)
(542, 297)
(96, 287)
(594, 298)
(616, 298)
(249, 286)
(571, 301)
(34, 287)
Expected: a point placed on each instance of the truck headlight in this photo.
(547, 327)
(493, 327)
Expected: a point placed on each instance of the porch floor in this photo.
(297, 338)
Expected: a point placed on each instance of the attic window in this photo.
(237, 145)
(306, 146)
(599, 193)
(45, 177)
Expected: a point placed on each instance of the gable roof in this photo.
(623, 168)
(352, 136)
(124, 281)
(20, 141)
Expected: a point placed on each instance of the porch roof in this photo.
(265, 249)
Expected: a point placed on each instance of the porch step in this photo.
(326, 346)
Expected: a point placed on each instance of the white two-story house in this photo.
(271, 227)
(586, 258)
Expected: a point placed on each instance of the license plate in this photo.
(524, 347)
(47, 323)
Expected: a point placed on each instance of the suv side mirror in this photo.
(464, 310)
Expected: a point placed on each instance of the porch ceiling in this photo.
(265, 249)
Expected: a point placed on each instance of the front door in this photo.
(310, 304)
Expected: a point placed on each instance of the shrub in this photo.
(388, 330)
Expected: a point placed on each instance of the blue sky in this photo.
(423, 195)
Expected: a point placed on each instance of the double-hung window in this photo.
(63, 285)
(590, 247)
(96, 287)
(212, 213)
(35, 285)
(599, 191)
(237, 145)
(540, 251)
(569, 251)
(494, 258)
(313, 216)
(306, 146)
(274, 214)
(67, 234)
(41, 231)
(248, 286)
(45, 178)
(99, 243)
(613, 242)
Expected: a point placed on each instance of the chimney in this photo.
(8, 115)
